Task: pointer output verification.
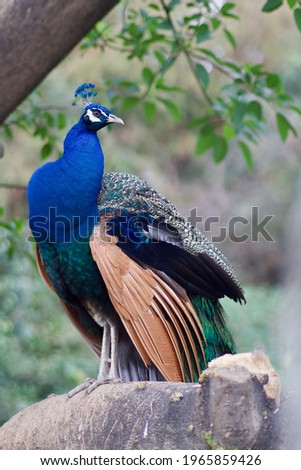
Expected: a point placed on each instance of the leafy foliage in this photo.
(39, 353)
(38, 121)
(154, 37)
(158, 35)
(12, 238)
(294, 5)
(272, 5)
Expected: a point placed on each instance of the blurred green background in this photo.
(40, 352)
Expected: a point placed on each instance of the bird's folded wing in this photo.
(157, 314)
(173, 245)
(92, 339)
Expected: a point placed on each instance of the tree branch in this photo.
(185, 52)
(13, 186)
(35, 37)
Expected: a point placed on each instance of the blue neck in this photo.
(63, 194)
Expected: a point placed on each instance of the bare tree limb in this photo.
(35, 36)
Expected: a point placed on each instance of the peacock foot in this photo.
(105, 376)
(108, 370)
(91, 384)
(98, 382)
(79, 388)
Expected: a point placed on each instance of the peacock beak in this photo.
(117, 120)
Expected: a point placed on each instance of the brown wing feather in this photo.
(93, 341)
(156, 317)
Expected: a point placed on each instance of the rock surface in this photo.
(228, 409)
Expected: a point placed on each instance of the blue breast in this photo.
(63, 211)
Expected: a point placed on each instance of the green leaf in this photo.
(202, 74)
(247, 154)
(238, 113)
(172, 4)
(46, 150)
(167, 64)
(284, 97)
(165, 25)
(154, 6)
(215, 23)
(220, 149)
(7, 226)
(49, 118)
(61, 120)
(41, 131)
(160, 57)
(129, 102)
(273, 80)
(231, 65)
(292, 3)
(202, 32)
(297, 16)
(8, 131)
(133, 30)
(198, 121)
(147, 75)
(296, 109)
(255, 108)
(230, 38)
(257, 69)
(18, 225)
(208, 128)
(204, 142)
(173, 109)
(227, 7)
(228, 131)
(150, 110)
(161, 85)
(284, 126)
(271, 5)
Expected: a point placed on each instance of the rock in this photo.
(230, 408)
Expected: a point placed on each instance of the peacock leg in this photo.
(104, 365)
(108, 366)
(108, 370)
(113, 374)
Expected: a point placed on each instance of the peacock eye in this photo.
(96, 113)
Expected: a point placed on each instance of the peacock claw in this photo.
(98, 382)
(91, 384)
(80, 387)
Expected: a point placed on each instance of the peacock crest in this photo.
(86, 92)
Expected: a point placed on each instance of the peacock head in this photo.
(95, 116)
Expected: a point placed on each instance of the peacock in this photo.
(138, 281)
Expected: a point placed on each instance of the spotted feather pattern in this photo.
(126, 191)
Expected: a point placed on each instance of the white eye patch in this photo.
(92, 117)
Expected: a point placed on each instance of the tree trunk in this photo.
(35, 36)
(235, 406)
